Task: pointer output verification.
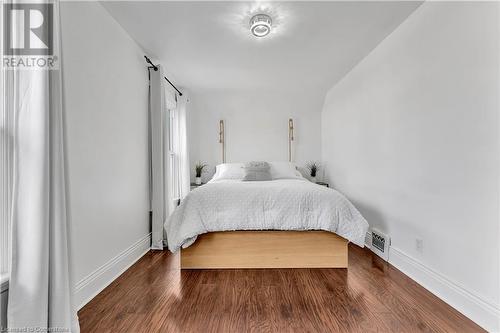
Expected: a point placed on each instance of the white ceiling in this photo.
(207, 45)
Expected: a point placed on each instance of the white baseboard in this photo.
(479, 310)
(482, 312)
(91, 285)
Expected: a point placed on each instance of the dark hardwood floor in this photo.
(371, 296)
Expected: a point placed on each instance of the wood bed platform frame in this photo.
(266, 249)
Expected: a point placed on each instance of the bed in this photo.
(284, 222)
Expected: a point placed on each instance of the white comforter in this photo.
(286, 204)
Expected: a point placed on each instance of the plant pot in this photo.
(198, 181)
(313, 179)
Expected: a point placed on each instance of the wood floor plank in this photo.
(154, 295)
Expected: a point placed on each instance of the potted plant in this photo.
(198, 168)
(313, 169)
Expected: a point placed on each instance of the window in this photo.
(173, 153)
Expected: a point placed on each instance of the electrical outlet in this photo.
(419, 245)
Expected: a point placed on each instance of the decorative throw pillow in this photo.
(256, 171)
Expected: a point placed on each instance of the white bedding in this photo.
(284, 204)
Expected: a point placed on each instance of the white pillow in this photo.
(284, 170)
(229, 171)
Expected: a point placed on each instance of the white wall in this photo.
(256, 125)
(105, 87)
(411, 136)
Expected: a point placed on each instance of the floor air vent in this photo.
(380, 244)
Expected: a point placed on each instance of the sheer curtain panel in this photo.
(161, 193)
(184, 171)
(40, 285)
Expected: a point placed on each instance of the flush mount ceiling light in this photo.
(260, 25)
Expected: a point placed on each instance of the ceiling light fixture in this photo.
(260, 25)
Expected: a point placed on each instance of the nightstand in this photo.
(323, 184)
(193, 185)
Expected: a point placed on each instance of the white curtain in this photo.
(179, 155)
(161, 193)
(184, 172)
(40, 286)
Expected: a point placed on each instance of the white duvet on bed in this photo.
(285, 204)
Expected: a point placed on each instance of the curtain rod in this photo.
(156, 68)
